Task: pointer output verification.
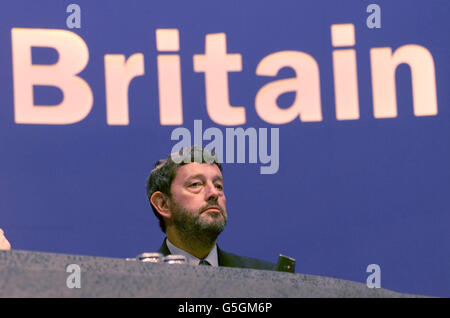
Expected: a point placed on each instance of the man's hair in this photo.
(165, 171)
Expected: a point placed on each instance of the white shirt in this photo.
(212, 257)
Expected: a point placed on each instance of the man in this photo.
(187, 195)
(4, 244)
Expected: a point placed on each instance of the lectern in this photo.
(37, 274)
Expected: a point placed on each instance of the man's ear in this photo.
(160, 202)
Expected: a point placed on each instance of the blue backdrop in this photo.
(348, 193)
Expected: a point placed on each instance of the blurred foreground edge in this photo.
(37, 274)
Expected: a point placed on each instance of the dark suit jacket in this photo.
(231, 260)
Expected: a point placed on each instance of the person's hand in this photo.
(4, 244)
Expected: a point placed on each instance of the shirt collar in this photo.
(212, 257)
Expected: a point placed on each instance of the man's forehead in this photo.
(189, 170)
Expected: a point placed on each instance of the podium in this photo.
(37, 274)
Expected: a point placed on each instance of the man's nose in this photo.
(212, 193)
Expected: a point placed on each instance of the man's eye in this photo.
(195, 184)
(219, 186)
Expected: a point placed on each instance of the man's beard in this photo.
(194, 228)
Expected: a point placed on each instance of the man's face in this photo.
(198, 201)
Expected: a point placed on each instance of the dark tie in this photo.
(203, 262)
